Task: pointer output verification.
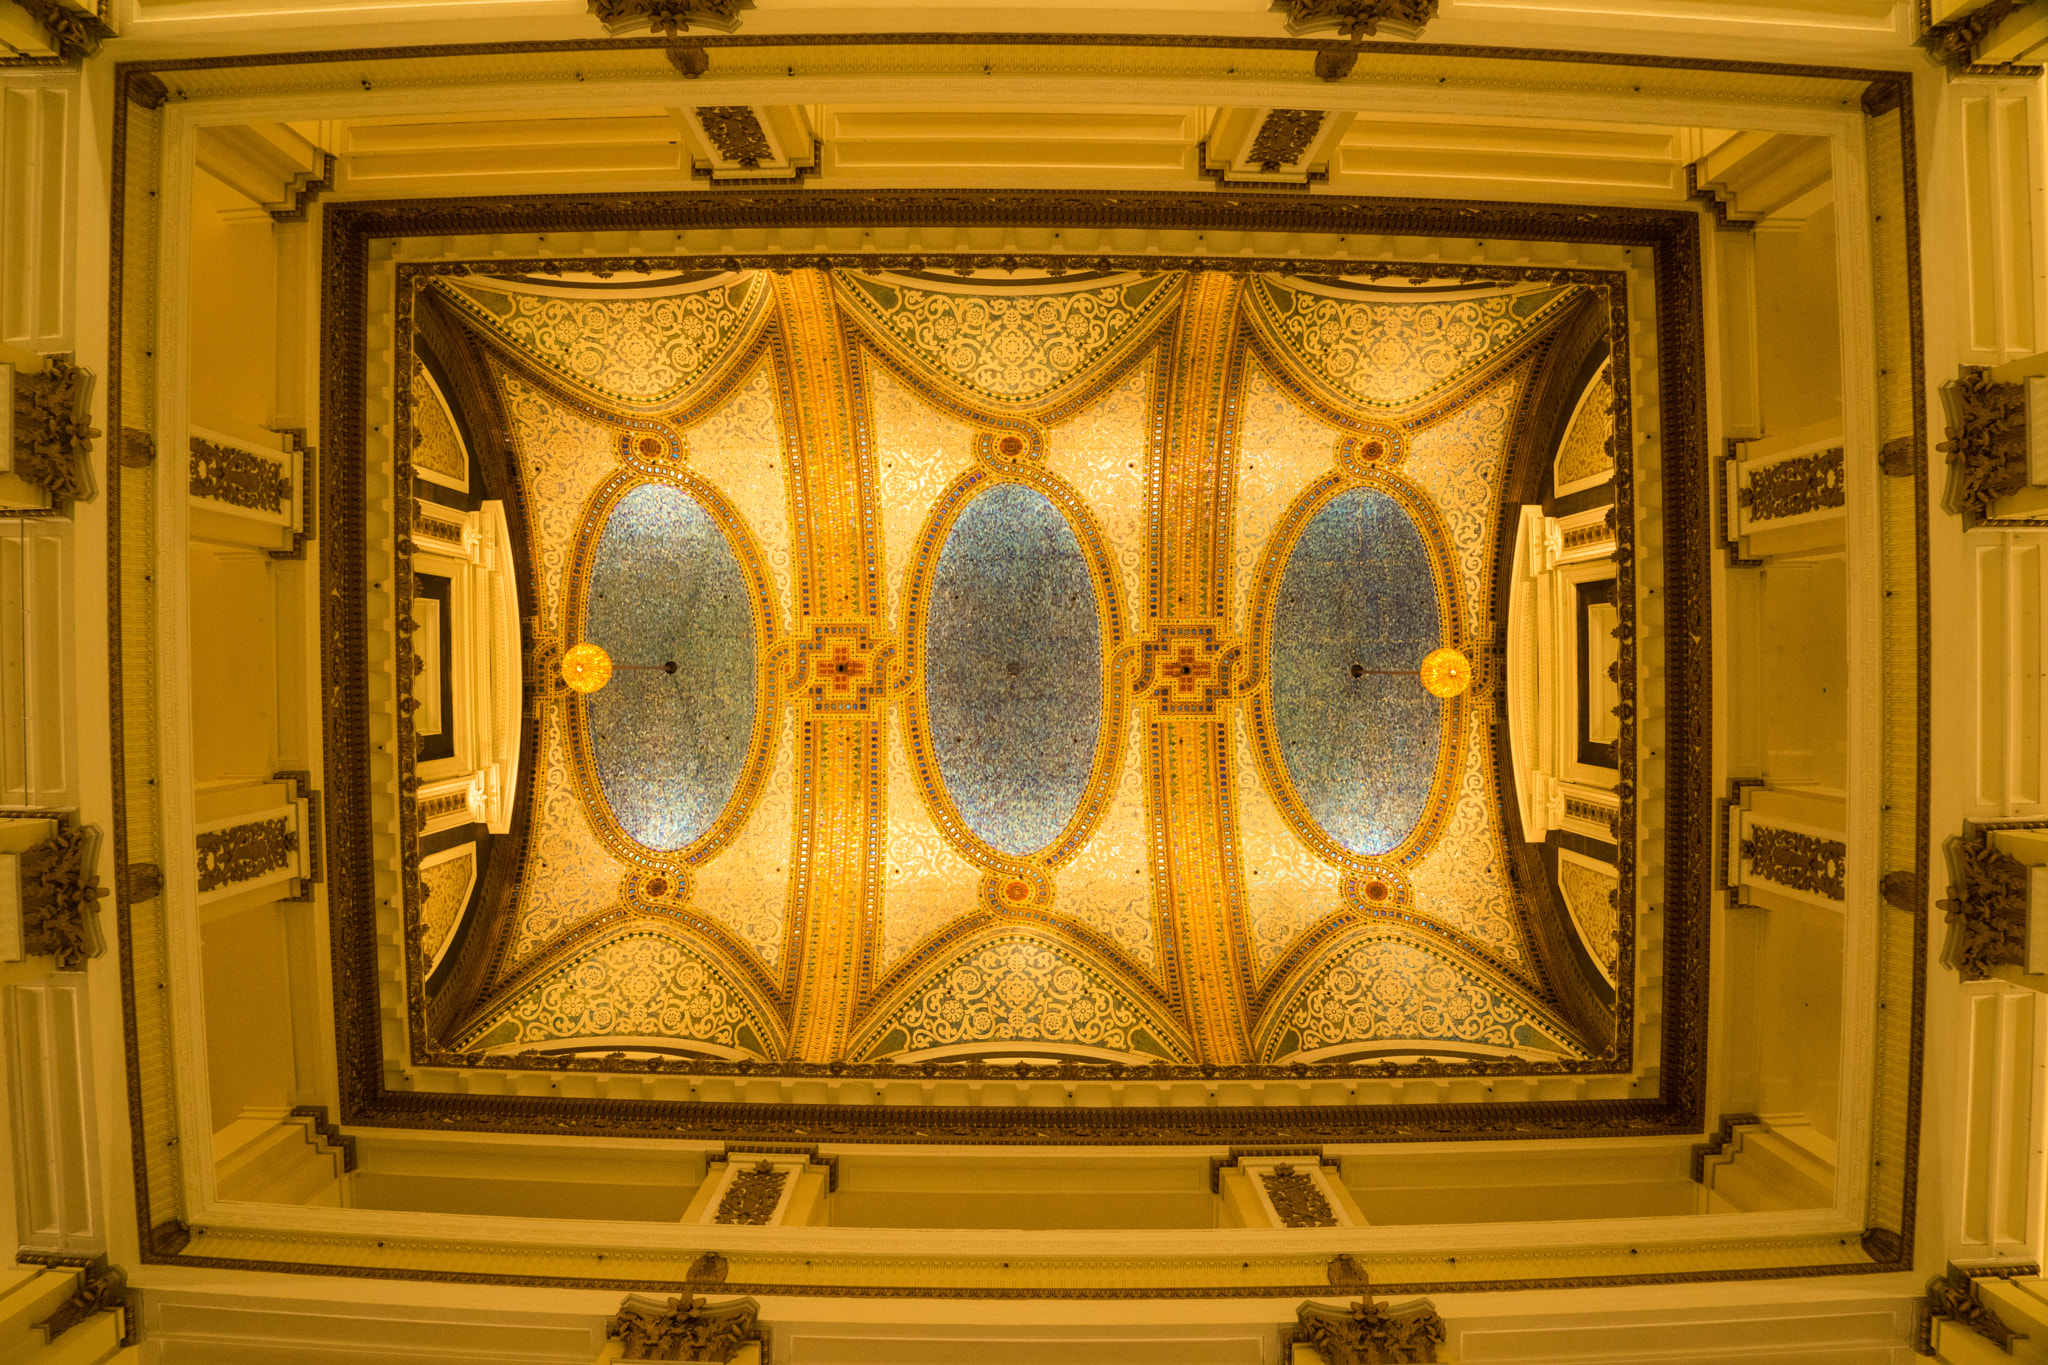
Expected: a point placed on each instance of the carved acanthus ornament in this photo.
(59, 898)
(101, 1289)
(1285, 137)
(1953, 1298)
(1358, 19)
(1987, 438)
(242, 853)
(735, 132)
(685, 1328)
(1799, 861)
(1790, 488)
(74, 33)
(1987, 909)
(1296, 1198)
(753, 1194)
(1370, 1333)
(240, 478)
(1954, 43)
(52, 432)
(668, 17)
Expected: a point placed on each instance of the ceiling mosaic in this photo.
(1018, 669)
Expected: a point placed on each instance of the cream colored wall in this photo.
(234, 663)
(248, 1013)
(234, 313)
(1798, 337)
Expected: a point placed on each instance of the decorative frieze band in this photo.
(1803, 862)
(1954, 43)
(245, 852)
(240, 478)
(1794, 487)
(1285, 137)
(736, 132)
(684, 1328)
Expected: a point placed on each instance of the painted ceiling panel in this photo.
(1019, 810)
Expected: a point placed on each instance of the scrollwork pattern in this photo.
(1012, 347)
(641, 350)
(1021, 991)
(562, 460)
(1463, 884)
(435, 445)
(570, 875)
(1386, 989)
(1387, 355)
(637, 986)
(1590, 894)
(1587, 450)
(444, 892)
(1456, 463)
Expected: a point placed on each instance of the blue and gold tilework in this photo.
(1088, 782)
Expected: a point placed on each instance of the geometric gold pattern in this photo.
(1182, 434)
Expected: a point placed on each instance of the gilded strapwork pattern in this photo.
(1587, 452)
(1048, 693)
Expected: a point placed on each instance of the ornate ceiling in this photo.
(1045, 676)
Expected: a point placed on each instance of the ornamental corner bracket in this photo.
(60, 896)
(684, 1328)
(1370, 1332)
(668, 17)
(53, 431)
(1357, 20)
(1987, 441)
(1986, 908)
(1953, 1298)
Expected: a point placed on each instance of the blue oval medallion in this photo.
(1013, 668)
(1357, 595)
(665, 585)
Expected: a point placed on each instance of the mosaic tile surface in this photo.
(1357, 596)
(665, 586)
(1000, 940)
(1013, 668)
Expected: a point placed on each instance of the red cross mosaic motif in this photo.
(1187, 673)
(842, 671)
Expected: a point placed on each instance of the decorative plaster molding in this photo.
(136, 449)
(1296, 1198)
(684, 1328)
(58, 894)
(1987, 908)
(327, 1135)
(1285, 136)
(668, 17)
(1794, 487)
(736, 132)
(1370, 1333)
(74, 34)
(689, 59)
(240, 478)
(710, 1268)
(1358, 19)
(1953, 1298)
(1716, 1142)
(1895, 461)
(753, 1195)
(1800, 861)
(1987, 439)
(145, 882)
(53, 431)
(102, 1288)
(1347, 1273)
(242, 853)
(1953, 43)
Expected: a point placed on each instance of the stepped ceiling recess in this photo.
(1031, 664)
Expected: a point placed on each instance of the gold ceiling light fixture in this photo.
(1444, 673)
(586, 667)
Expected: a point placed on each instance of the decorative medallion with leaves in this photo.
(242, 853)
(1794, 487)
(1285, 137)
(1799, 861)
(240, 478)
(1297, 1199)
